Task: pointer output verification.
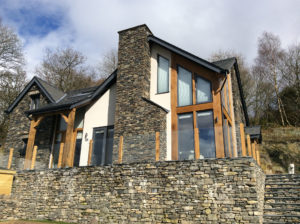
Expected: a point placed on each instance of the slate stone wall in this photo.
(19, 129)
(238, 108)
(135, 118)
(202, 191)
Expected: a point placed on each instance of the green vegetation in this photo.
(280, 147)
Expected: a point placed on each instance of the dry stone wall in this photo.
(202, 191)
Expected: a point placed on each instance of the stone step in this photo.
(281, 193)
(281, 205)
(289, 200)
(275, 185)
(282, 178)
(281, 219)
(283, 211)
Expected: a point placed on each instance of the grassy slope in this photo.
(280, 147)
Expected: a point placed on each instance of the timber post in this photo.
(69, 150)
(11, 153)
(157, 146)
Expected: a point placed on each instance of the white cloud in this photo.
(201, 27)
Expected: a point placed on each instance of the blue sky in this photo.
(199, 26)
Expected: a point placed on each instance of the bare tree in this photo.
(108, 63)
(66, 69)
(12, 77)
(267, 67)
(11, 55)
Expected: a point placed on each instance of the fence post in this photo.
(243, 140)
(11, 153)
(33, 157)
(249, 145)
(60, 155)
(90, 152)
(257, 154)
(121, 149)
(253, 151)
(157, 146)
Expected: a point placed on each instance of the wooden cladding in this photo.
(215, 105)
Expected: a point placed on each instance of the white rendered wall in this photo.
(163, 99)
(99, 114)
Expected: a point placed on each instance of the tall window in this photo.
(35, 101)
(162, 75)
(196, 134)
(103, 145)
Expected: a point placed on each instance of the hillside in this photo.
(280, 147)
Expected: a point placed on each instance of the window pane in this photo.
(184, 87)
(98, 146)
(185, 137)
(163, 75)
(78, 148)
(228, 102)
(203, 90)
(109, 145)
(231, 142)
(205, 124)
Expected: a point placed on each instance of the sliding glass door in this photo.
(102, 145)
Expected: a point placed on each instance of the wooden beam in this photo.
(229, 140)
(64, 117)
(187, 109)
(249, 145)
(243, 140)
(90, 152)
(11, 153)
(121, 149)
(33, 157)
(60, 155)
(68, 154)
(30, 144)
(197, 144)
(157, 146)
(39, 120)
(174, 121)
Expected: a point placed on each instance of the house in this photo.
(162, 103)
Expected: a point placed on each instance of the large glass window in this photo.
(205, 124)
(78, 148)
(184, 87)
(186, 148)
(103, 145)
(203, 90)
(163, 75)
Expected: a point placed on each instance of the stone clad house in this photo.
(159, 96)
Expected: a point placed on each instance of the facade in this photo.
(162, 103)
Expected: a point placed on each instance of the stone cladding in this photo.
(136, 119)
(238, 108)
(199, 191)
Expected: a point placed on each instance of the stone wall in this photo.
(238, 108)
(19, 128)
(135, 118)
(202, 191)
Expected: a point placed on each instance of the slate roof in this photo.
(77, 97)
(226, 63)
(254, 132)
(53, 91)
